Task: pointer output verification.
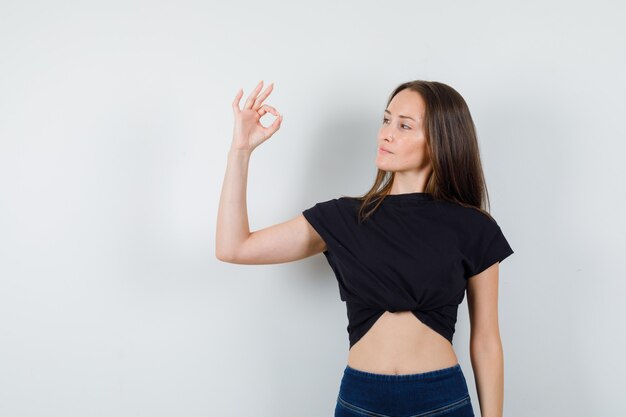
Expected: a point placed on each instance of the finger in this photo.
(259, 101)
(253, 95)
(236, 108)
(266, 108)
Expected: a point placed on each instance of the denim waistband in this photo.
(437, 373)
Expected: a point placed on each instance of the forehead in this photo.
(407, 102)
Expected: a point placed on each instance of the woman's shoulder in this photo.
(469, 217)
(470, 213)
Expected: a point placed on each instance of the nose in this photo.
(387, 133)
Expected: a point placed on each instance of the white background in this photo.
(115, 122)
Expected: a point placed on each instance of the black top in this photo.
(413, 253)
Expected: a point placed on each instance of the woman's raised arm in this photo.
(288, 241)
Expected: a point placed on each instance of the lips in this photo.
(384, 150)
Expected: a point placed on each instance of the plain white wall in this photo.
(115, 122)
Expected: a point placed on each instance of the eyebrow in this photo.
(400, 115)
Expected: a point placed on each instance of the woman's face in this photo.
(402, 134)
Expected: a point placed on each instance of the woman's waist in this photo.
(394, 352)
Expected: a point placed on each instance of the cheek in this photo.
(413, 155)
(413, 152)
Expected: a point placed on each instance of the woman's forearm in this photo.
(232, 216)
(488, 366)
(232, 228)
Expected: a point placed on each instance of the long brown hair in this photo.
(457, 173)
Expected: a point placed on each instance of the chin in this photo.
(384, 167)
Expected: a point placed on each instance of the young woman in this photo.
(404, 255)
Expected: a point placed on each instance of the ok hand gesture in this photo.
(248, 132)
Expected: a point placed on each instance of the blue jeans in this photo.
(441, 392)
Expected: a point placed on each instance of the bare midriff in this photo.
(399, 343)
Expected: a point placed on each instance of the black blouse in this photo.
(414, 253)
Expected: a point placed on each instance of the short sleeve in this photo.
(490, 248)
(326, 218)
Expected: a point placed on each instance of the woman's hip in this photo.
(441, 392)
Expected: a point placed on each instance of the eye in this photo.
(384, 119)
(406, 126)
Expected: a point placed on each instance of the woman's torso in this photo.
(398, 343)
